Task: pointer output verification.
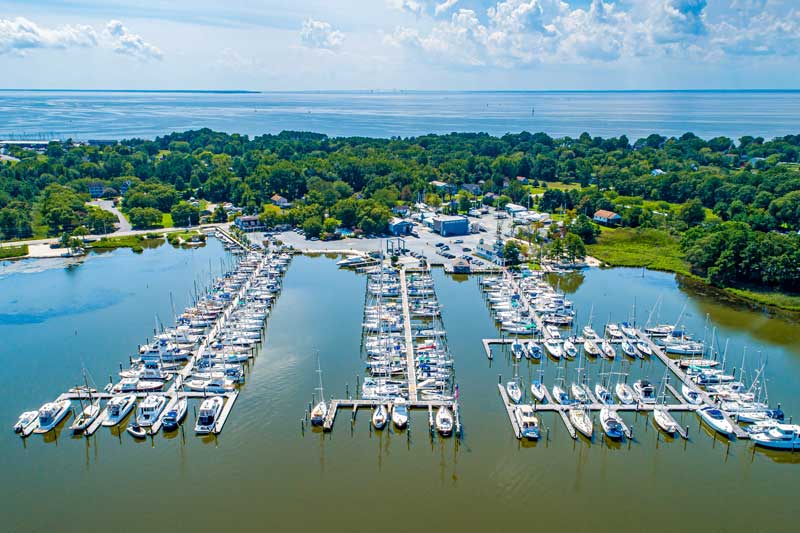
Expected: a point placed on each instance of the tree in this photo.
(100, 221)
(185, 214)
(219, 215)
(312, 227)
(692, 212)
(145, 217)
(331, 224)
(464, 201)
(511, 253)
(574, 247)
(584, 228)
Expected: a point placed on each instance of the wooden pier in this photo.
(411, 373)
(510, 411)
(355, 405)
(226, 411)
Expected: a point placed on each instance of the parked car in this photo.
(466, 249)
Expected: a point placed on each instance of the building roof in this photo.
(248, 218)
(277, 198)
(603, 213)
(515, 207)
(460, 263)
(449, 218)
(396, 220)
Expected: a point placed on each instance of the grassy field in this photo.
(134, 242)
(780, 300)
(8, 252)
(166, 220)
(650, 248)
(554, 185)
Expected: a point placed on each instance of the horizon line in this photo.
(396, 91)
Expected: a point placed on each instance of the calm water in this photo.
(263, 473)
(114, 115)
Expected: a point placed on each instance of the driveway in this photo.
(108, 205)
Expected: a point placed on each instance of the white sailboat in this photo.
(624, 393)
(581, 420)
(320, 411)
(664, 420)
(444, 421)
(612, 424)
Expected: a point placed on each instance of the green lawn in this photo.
(554, 185)
(650, 248)
(166, 220)
(7, 252)
(776, 299)
(133, 242)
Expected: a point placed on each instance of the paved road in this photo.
(108, 205)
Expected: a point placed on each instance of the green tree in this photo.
(219, 215)
(312, 227)
(145, 217)
(511, 253)
(692, 213)
(185, 214)
(574, 247)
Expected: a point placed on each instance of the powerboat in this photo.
(589, 333)
(50, 414)
(538, 390)
(210, 410)
(85, 419)
(527, 421)
(150, 409)
(534, 351)
(400, 413)
(603, 395)
(514, 391)
(691, 395)
(715, 419)
(379, 416)
(118, 408)
(778, 437)
(27, 423)
(136, 431)
(612, 424)
(569, 349)
(645, 391)
(581, 421)
(624, 393)
(137, 385)
(613, 331)
(553, 348)
(173, 418)
(444, 421)
(210, 386)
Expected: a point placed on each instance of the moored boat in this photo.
(514, 391)
(444, 421)
(624, 393)
(118, 408)
(778, 437)
(173, 417)
(715, 419)
(665, 421)
(538, 390)
(210, 410)
(50, 414)
(379, 416)
(150, 409)
(400, 413)
(581, 420)
(27, 422)
(527, 421)
(612, 424)
(86, 417)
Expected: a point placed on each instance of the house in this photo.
(398, 226)
(440, 184)
(280, 201)
(522, 179)
(657, 172)
(460, 266)
(96, 189)
(472, 188)
(447, 226)
(249, 223)
(401, 210)
(124, 186)
(607, 218)
(515, 210)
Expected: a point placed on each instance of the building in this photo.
(398, 226)
(124, 186)
(607, 218)
(249, 223)
(401, 210)
(96, 189)
(472, 188)
(460, 266)
(514, 209)
(447, 226)
(280, 201)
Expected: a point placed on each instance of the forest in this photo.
(732, 204)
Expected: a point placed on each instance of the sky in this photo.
(275, 45)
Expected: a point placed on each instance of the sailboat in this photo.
(580, 418)
(88, 414)
(320, 411)
(624, 393)
(664, 420)
(612, 424)
(379, 416)
(513, 387)
(607, 349)
(603, 394)
(569, 349)
(691, 395)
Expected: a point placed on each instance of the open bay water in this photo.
(264, 473)
(119, 114)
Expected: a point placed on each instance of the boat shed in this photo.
(398, 226)
(514, 209)
(608, 218)
(447, 226)
(461, 266)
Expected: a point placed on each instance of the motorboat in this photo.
(514, 391)
(553, 348)
(118, 408)
(50, 414)
(136, 431)
(660, 330)
(137, 385)
(624, 393)
(778, 437)
(207, 419)
(400, 413)
(685, 348)
(581, 420)
(561, 396)
(27, 423)
(613, 331)
(716, 420)
(589, 333)
(527, 421)
(379, 416)
(691, 395)
(210, 386)
(603, 395)
(173, 417)
(569, 349)
(643, 348)
(534, 351)
(664, 420)
(607, 349)
(612, 424)
(538, 390)
(88, 415)
(444, 421)
(645, 391)
(150, 409)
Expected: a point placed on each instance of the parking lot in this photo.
(423, 244)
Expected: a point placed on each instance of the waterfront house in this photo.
(607, 218)
(280, 201)
(398, 226)
(249, 223)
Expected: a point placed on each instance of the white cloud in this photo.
(20, 34)
(444, 6)
(319, 34)
(411, 6)
(126, 43)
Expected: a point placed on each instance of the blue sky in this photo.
(400, 44)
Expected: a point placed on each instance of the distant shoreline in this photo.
(414, 91)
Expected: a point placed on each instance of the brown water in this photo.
(264, 473)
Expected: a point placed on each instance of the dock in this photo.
(226, 411)
(410, 370)
(510, 408)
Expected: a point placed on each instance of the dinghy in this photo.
(27, 422)
(136, 431)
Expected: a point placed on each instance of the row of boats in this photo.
(203, 353)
